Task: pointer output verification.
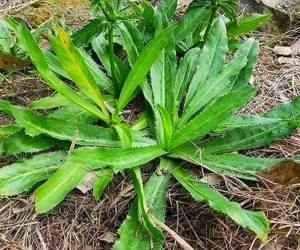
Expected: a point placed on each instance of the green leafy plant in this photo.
(189, 116)
(12, 56)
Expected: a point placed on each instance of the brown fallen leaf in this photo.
(9, 63)
(87, 183)
(285, 173)
(108, 237)
(212, 179)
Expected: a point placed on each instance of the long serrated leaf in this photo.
(143, 64)
(190, 22)
(185, 72)
(128, 43)
(37, 57)
(164, 127)
(208, 120)
(118, 158)
(211, 60)
(50, 102)
(131, 228)
(213, 87)
(137, 181)
(168, 7)
(250, 49)
(74, 64)
(162, 79)
(71, 113)
(246, 24)
(228, 164)
(22, 143)
(89, 31)
(35, 124)
(54, 190)
(255, 221)
(23, 175)
(257, 136)
(243, 121)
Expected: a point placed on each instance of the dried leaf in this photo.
(284, 173)
(108, 237)
(212, 179)
(9, 63)
(87, 183)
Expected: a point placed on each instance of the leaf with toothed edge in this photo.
(21, 176)
(131, 228)
(255, 221)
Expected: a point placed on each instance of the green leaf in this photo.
(244, 121)
(54, 190)
(213, 87)
(257, 136)
(101, 79)
(168, 7)
(103, 178)
(143, 64)
(128, 42)
(6, 130)
(72, 113)
(215, 113)
(74, 64)
(21, 143)
(35, 124)
(255, 221)
(7, 40)
(131, 228)
(89, 31)
(37, 57)
(246, 24)
(100, 46)
(164, 127)
(162, 79)
(23, 175)
(185, 72)
(227, 164)
(55, 65)
(124, 134)
(250, 48)
(118, 158)
(83, 134)
(136, 178)
(190, 22)
(50, 102)
(211, 61)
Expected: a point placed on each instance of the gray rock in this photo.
(290, 8)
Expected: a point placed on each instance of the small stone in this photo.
(289, 60)
(296, 48)
(283, 51)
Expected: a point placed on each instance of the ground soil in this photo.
(82, 223)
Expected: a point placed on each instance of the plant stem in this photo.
(112, 61)
(211, 19)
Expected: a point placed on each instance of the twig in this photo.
(181, 241)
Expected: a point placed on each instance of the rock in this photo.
(290, 8)
(296, 48)
(289, 60)
(282, 50)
